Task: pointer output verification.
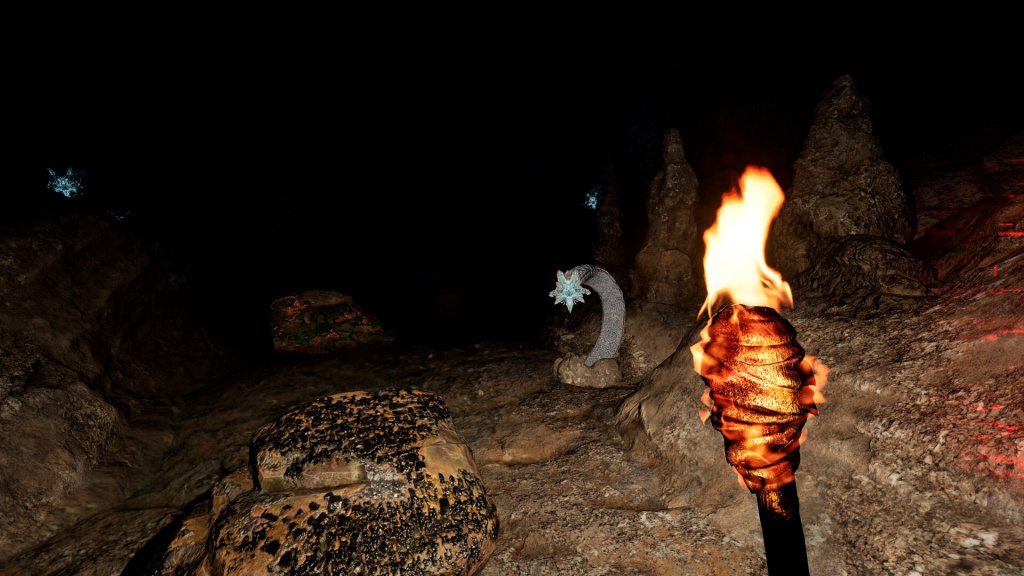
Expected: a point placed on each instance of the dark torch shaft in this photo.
(755, 370)
(783, 532)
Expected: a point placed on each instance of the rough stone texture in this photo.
(321, 322)
(863, 269)
(573, 370)
(841, 184)
(97, 334)
(663, 272)
(985, 239)
(360, 482)
(609, 248)
(651, 334)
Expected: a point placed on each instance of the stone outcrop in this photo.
(356, 483)
(96, 332)
(863, 269)
(321, 322)
(841, 185)
(663, 272)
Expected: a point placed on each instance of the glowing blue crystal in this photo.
(590, 200)
(568, 291)
(68, 184)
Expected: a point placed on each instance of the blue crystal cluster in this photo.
(568, 291)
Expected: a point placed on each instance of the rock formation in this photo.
(863, 269)
(663, 272)
(321, 322)
(841, 185)
(356, 483)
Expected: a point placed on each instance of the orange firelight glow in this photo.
(734, 266)
(762, 388)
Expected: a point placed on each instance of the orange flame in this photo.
(734, 266)
(762, 388)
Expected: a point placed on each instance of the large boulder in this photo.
(841, 185)
(356, 483)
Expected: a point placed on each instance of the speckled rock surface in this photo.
(841, 184)
(320, 322)
(356, 483)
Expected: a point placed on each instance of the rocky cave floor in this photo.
(914, 466)
(896, 477)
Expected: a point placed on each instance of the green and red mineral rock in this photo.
(321, 322)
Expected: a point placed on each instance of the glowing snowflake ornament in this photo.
(568, 291)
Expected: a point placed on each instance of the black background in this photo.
(435, 170)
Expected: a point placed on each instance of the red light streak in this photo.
(1015, 461)
(1011, 233)
(1012, 429)
(1002, 440)
(979, 406)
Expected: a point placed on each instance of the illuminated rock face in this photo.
(357, 483)
(663, 271)
(842, 185)
(320, 322)
(864, 269)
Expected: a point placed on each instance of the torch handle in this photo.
(783, 532)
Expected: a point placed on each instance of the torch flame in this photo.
(734, 266)
(762, 387)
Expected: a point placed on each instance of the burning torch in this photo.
(762, 388)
